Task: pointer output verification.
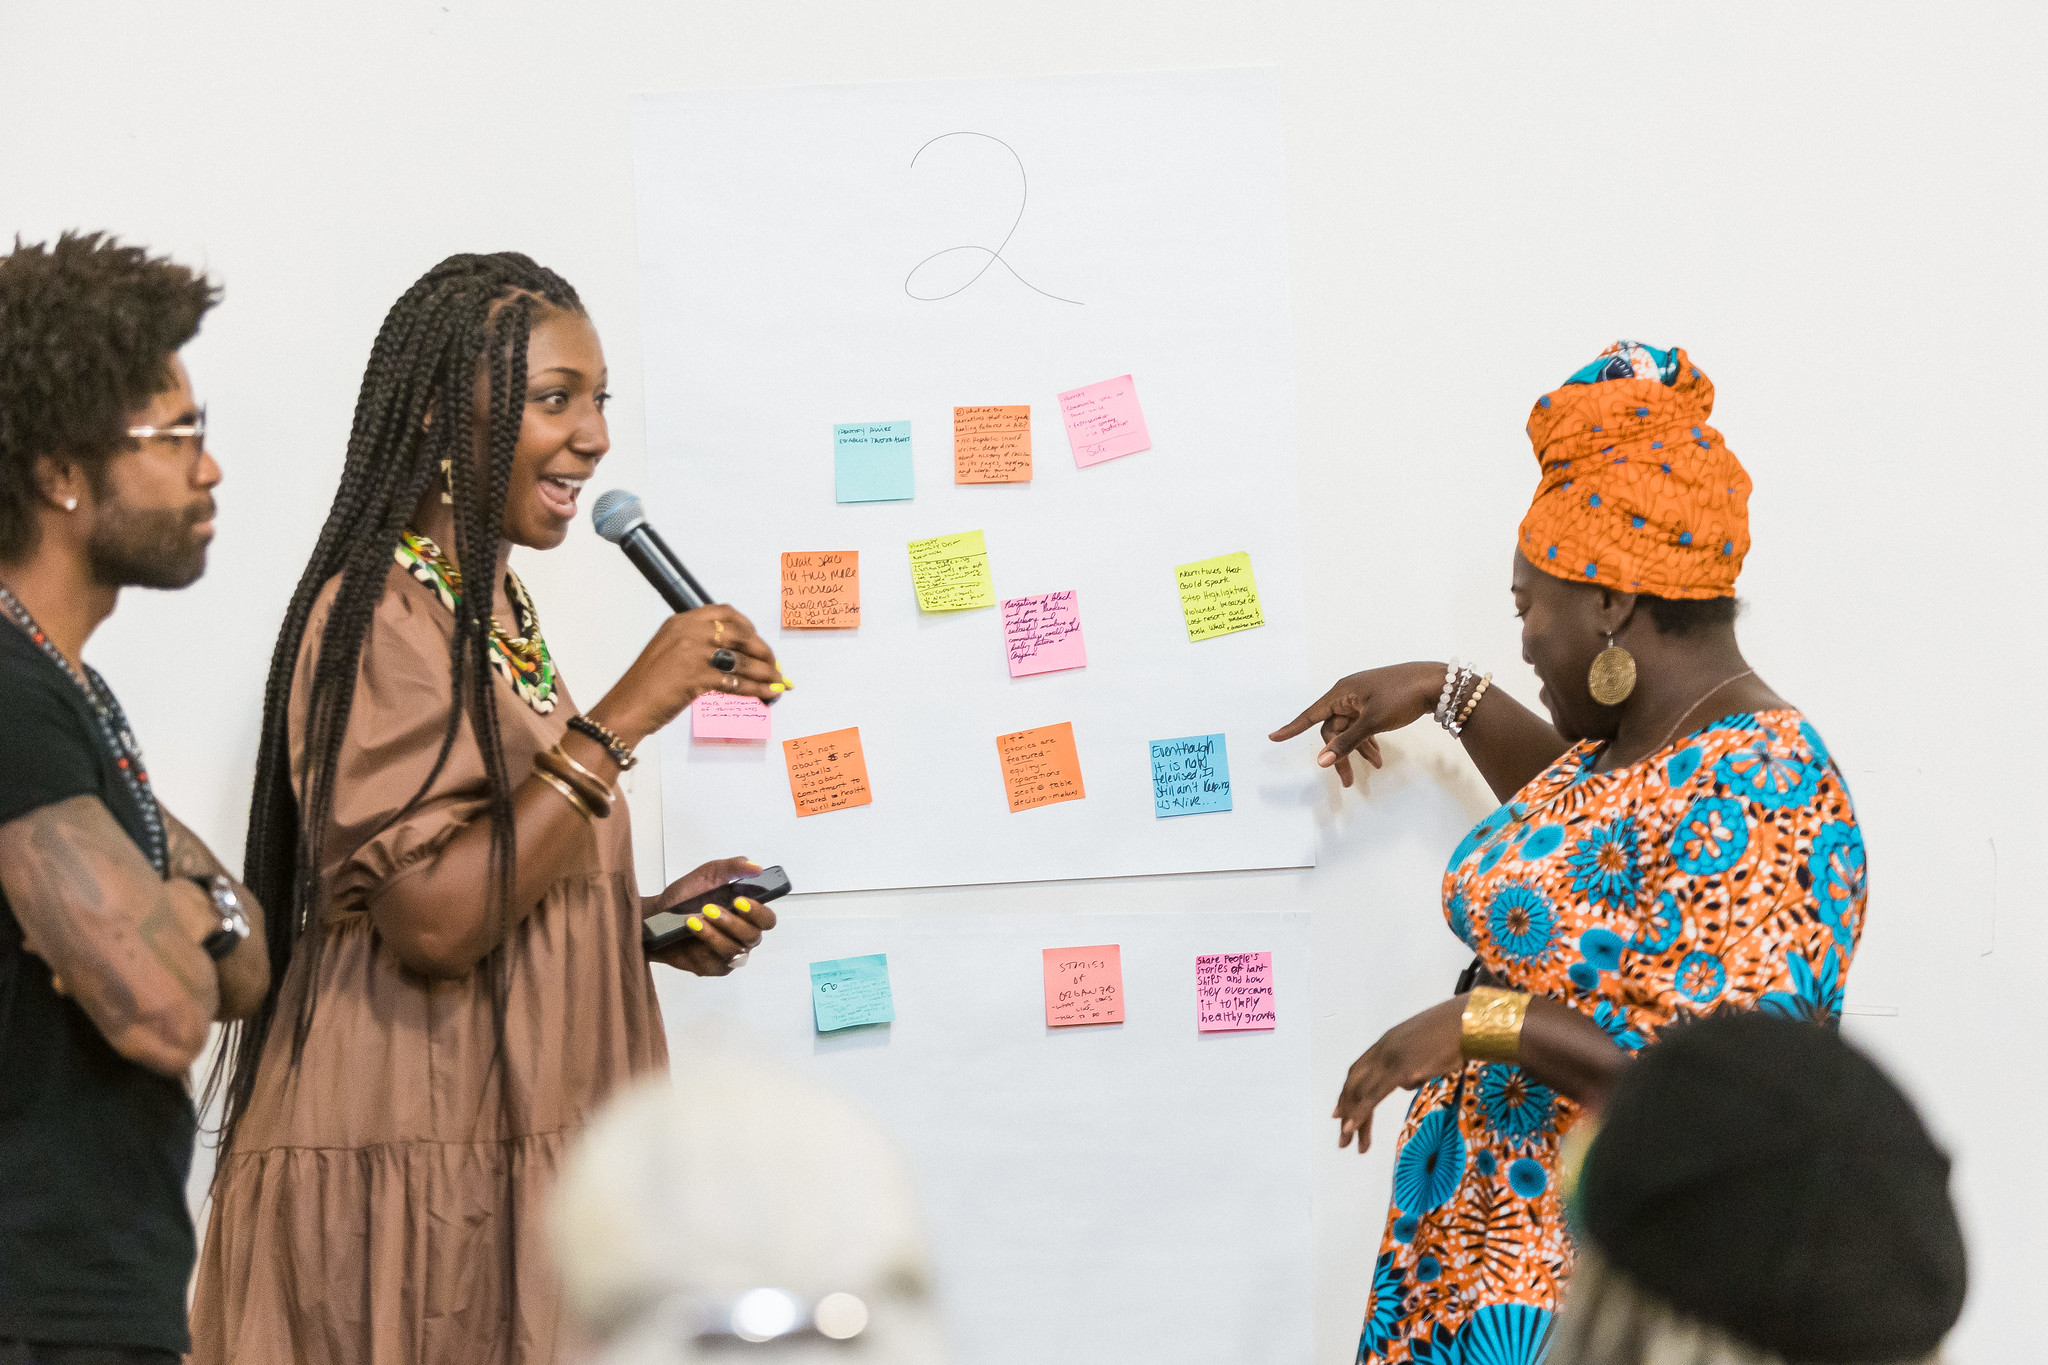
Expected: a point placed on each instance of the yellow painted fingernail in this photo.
(711, 912)
(742, 904)
(785, 679)
(777, 687)
(696, 925)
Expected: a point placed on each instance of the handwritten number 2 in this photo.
(994, 254)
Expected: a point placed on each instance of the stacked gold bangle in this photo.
(588, 792)
(1491, 1030)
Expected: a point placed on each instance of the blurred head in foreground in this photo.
(743, 1215)
(1759, 1192)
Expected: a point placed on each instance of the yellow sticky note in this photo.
(951, 573)
(1218, 596)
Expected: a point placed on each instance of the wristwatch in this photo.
(234, 925)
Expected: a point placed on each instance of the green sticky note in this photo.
(1218, 596)
(850, 991)
(951, 573)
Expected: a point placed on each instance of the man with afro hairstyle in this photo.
(122, 938)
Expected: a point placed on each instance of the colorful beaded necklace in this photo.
(112, 726)
(523, 659)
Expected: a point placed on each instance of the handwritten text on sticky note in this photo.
(719, 715)
(821, 590)
(992, 445)
(1103, 421)
(1218, 596)
(1043, 634)
(1233, 991)
(1084, 985)
(827, 772)
(850, 991)
(871, 462)
(1040, 766)
(1190, 775)
(951, 573)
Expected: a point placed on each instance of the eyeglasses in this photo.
(195, 432)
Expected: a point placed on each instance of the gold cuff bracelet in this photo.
(1491, 1030)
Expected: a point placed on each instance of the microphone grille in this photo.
(615, 513)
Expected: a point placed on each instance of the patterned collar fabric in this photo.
(522, 660)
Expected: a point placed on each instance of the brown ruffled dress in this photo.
(361, 1217)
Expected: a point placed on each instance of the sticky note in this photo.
(1218, 596)
(1190, 775)
(1084, 985)
(827, 772)
(951, 573)
(871, 462)
(1233, 992)
(1103, 421)
(1040, 766)
(992, 445)
(821, 590)
(719, 715)
(849, 991)
(1043, 634)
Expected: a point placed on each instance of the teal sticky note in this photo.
(851, 990)
(1190, 775)
(871, 462)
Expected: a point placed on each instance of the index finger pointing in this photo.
(1318, 711)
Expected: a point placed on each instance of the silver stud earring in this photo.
(71, 504)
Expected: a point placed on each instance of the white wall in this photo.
(1836, 209)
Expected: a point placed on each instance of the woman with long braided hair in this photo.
(457, 973)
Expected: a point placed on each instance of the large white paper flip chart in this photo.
(866, 257)
(1132, 1193)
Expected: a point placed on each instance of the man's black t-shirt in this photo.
(96, 1245)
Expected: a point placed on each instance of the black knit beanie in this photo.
(1759, 1174)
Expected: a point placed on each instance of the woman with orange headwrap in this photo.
(1674, 840)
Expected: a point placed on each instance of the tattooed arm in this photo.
(119, 940)
(244, 973)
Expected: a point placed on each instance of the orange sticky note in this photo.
(1040, 766)
(992, 445)
(827, 772)
(1084, 985)
(821, 590)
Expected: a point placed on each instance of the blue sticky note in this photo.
(1189, 775)
(851, 990)
(871, 462)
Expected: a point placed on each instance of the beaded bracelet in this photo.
(1443, 701)
(613, 745)
(1471, 704)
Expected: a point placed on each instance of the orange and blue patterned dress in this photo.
(1726, 869)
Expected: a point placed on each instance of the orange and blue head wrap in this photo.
(1637, 493)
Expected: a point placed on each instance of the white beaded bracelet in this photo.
(1443, 701)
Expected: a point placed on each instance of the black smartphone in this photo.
(662, 931)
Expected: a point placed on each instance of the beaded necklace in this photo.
(112, 726)
(523, 659)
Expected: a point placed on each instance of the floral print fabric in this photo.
(1726, 869)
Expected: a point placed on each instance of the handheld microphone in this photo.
(619, 518)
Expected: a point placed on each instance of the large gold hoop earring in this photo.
(1613, 674)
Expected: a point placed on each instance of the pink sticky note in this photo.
(1043, 633)
(1084, 985)
(1233, 992)
(715, 715)
(1103, 421)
